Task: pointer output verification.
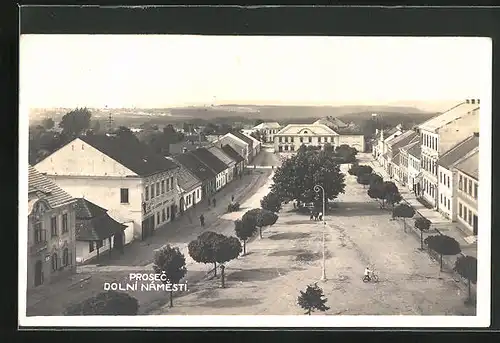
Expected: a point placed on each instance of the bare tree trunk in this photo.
(171, 298)
(222, 277)
(441, 262)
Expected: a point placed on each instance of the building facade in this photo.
(239, 166)
(200, 171)
(239, 145)
(51, 231)
(268, 130)
(220, 169)
(438, 135)
(227, 160)
(119, 174)
(293, 136)
(379, 148)
(467, 194)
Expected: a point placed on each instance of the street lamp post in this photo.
(318, 188)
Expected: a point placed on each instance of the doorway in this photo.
(119, 241)
(172, 212)
(474, 225)
(38, 273)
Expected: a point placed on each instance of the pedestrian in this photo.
(202, 220)
(320, 217)
(232, 198)
(214, 202)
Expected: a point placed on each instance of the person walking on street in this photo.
(232, 198)
(202, 220)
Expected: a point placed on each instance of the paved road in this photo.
(139, 255)
(266, 157)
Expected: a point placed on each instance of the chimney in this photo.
(476, 134)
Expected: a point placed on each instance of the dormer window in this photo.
(305, 132)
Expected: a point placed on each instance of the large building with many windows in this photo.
(440, 134)
(293, 136)
(468, 191)
(118, 173)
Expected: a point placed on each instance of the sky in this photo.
(158, 71)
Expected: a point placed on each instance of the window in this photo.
(475, 190)
(65, 257)
(198, 193)
(460, 210)
(460, 181)
(470, 187)
(286, 147)
(91, 246)
(99, 244)
(301, 139)
(449, 204)
(465, 213)
(162, 186)
(124, 195)
(279, 139)
(465, 185)
(158, 188)
(292, 148)
(53, 226)
(168, 212)
(310, 139)
(171, 182)
(440, 177)
(65, 223)
(441, 198)
(292, 139)
(157, 218)
(39, 233)
(146, 193)
(448, 179)
(152, 189)
(54, 262)
(469, 219)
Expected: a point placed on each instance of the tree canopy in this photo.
(109, 303)
(443, 245)
(403, 211)
(423, 224)
(297, 176)
(346, 153)
(245, 229)
(312, 299)
(76, 122)
(386, 192)
(48, 123)
(466, 266)
(170, 261)
(271, 202)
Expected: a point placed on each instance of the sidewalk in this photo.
(439, 224)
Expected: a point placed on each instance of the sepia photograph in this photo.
(192, 180)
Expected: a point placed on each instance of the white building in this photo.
(118, 173)
(410, 164)
(239, 145)
(257, 145)
(189, 188)
(438, 135)
(227, 160)
(467, 195)
(268, 130)
(448, 177)
(391, 158)
(292, 136)
(380, 143)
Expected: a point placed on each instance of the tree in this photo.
(263, 218)
(109, 303)
(443, 245)
(244, 229)
(363, 170)
(312, 299)
(375, 178)
(203, 249)
(226, 249)
(170, 261)
(48, 123)
(422, 224)
(76, 122)
(257, 135)
(392, 195)
(329, 149)
(363, 179)
(354, 169)
(125, 132)
(271, 202)
(466, 266)
(346, 153)
(377, 192)
(403, 211)
(297, 176)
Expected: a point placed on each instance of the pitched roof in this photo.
(402, 139)
(44, 188)
(410, 145)
(195, 166)
(187, 180)
(93, 222)
(448, 116)
(177, 148)
(131, 153)
(221, 155)
(415, 151)
(243, 137)
(210, 160)
(395, 160)
(315, 129)
(232, 153)
(470, 165)
(268, 125)
(391, 131)
(331, 121)
(458, 151)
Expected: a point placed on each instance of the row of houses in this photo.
(100, 192)
(438, 161)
